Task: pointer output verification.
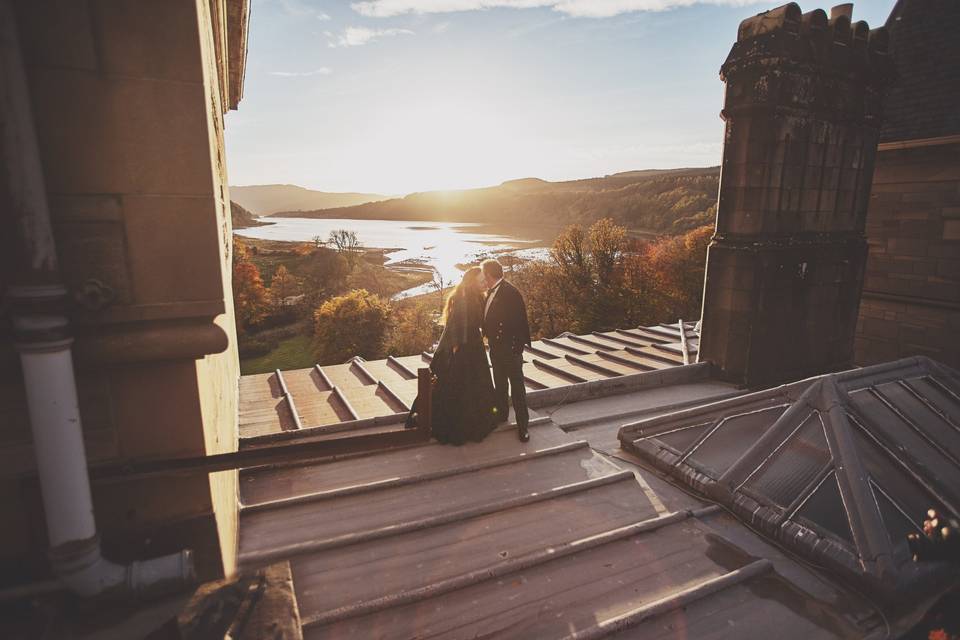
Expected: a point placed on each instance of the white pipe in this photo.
(58, 440)
(41, 336)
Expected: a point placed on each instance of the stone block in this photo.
(942, 250)
(950, 269)
(94, 208)
(148, 424)
(173, 248)
(880, 328)
(56, 33)
(94, 251)
(121, 135)
(907, 246)
(150, 38)
(920, 197)
(951, 230)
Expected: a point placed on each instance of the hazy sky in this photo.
(394, 96)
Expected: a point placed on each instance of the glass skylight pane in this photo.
(887, 473)
(825, 509)
(929, 421)
(683, 439)
(939, 397)
(916, 452)
(734, 436)
(794, 466)
(897, 524)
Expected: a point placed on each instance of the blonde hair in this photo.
(469, 284)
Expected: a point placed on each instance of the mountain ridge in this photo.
(662, 200)
(269, 199)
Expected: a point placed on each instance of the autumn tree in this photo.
(413, 329)
(283, 285)
(676, 265)
(600, 279)
(249, 295)
(324, 274)
(354, 324)
(548, 313)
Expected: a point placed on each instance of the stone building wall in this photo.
(128, 101)
(911, 295)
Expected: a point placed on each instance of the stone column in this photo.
(785, 266)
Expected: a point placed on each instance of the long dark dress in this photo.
(463, 400)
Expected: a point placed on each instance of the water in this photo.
(414, 245)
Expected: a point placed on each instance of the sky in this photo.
(397, 96)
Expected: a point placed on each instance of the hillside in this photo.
(667, 201)
(266, 199)
(243, 218)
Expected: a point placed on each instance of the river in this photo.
(409, 244)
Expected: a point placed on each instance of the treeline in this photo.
(599, 279)
(671, 202)
(595, 279)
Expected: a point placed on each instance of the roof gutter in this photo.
(42, 337)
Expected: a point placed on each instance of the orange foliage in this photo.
(598, 279)
(249, 295)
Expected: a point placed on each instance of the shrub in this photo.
(354, 324)
(413, 329)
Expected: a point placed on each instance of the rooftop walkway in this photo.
(361, 394)
(565, 536)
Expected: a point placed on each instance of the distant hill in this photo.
(243, 218)
(664, 201)
(267, 199)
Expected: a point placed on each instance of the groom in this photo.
(507, 331)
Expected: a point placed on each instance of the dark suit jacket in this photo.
(505, 323)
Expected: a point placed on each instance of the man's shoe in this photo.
(523, 434)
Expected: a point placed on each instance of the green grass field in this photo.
(292, 353)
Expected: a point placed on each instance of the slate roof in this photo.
(554, 538)
(925, 45)
(775, 512)
(840, 467)
(361, 394)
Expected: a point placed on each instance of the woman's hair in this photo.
(469, 286)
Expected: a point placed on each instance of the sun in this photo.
(440, 141)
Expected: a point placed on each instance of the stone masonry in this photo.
(911, 294)
(786, 264)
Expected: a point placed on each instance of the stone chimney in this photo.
(785, 266)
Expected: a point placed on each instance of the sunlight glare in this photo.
(446, 141)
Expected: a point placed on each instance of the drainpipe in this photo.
(37, 301)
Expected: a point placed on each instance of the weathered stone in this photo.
(156, 226)
(802, 115)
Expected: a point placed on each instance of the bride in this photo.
(463, 400)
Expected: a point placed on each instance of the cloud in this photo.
(358, 36)
(322, 71)
(302, 9)
(441, 27)
(577, 8)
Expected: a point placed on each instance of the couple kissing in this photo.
(466, 406)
